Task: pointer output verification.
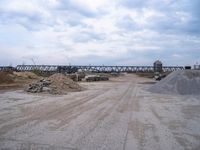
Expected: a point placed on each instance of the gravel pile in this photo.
(186, 82)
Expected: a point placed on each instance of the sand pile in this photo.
(6, 78)
(55, 84)
(185, 82)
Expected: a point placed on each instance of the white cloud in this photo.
(115, 32)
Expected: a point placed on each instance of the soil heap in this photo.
(13, 80)
(186, 82)
(25, 75)
(61, 83)
(6, 78)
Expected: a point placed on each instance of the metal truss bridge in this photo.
(97, 69)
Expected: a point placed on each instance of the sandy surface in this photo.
(113, 115)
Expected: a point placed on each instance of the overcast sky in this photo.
(97, 32)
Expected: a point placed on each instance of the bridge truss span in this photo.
(97, 69)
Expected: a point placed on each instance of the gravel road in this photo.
(115, 115)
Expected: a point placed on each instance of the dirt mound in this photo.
(25, 75)
(185, 82)
(6, 77)
(62, 82)
(13, 80)
(55, 84)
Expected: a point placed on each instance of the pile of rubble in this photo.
(76, 76)
(186, 82)
(55, 84)
(91, 78)
(38, 86)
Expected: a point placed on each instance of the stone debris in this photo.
(38, 86)
(76, 76)
(55, 84)
(91, 78)
(185, 82)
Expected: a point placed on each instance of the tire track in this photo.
(49, 114)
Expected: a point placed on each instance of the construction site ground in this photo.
(112, 115)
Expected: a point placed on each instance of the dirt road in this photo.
(115, 115)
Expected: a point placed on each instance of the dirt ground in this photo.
(113, 115)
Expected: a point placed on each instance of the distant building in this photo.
(196, 66)
(157, 66)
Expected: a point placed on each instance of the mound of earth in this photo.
(6, 78)
(25, 75)
(62, 82)
(186, 82)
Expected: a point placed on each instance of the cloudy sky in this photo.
(97, 32)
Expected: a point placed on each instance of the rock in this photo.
(38, 86)
(34, 88)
